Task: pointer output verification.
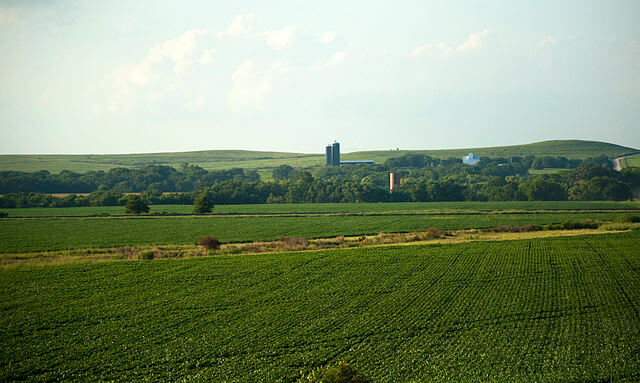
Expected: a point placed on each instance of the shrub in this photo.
(568, 225)
(136, 205)
(624, 219)
(433, 233)
(4, 214)
(146, 255)
(294, 243)
(209, 243)
(201, 204)
(343, 373)
(515, 229)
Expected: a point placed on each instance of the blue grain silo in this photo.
(329, 155)
(335, 151)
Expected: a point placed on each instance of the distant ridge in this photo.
(264, 161)
(572, 149)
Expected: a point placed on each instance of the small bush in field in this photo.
(209, 243)
(433, 233)
(620, 219)
(4, 214)
(342, 373)
(146, 255)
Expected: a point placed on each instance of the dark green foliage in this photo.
(146, 255)
(515, 229)
(282, 172)
(4, 214)
(342, 373)
(498, 179)
(136, 205)
(209, 243)
(542, 189)
(202, 204)
(571, 225)
(540, 310)
(554, 162)
(627, 219)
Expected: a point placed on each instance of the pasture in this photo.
(630, 161)
(544, 310)
(263, 161)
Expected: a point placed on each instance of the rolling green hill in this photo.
(225, 159)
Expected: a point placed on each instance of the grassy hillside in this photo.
(264, 161)
(566, 148)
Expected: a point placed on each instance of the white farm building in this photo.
(470, 159)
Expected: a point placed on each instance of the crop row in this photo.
(555, 309)
(39, 234)
(337, 207)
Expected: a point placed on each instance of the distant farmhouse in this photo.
(332, 156)
(470, 159)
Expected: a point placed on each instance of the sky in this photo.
(166, 76)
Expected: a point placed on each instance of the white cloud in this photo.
(444, 48)
(249, 87)
(421, 50)
(335, 60)
(280, 67)
(546, 42)
(207, 56)
(196, 102)
(183, 52)
(179, 49)
(327, 38)
(6, 15)
(475, 41)
(279, 39)
(241, 25)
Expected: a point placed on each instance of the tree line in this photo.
(424, 179)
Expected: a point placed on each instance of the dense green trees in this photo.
(122, 180)
(423, 179)
(136, 205)
(202, 204)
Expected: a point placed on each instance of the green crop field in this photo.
(546, 171)
(544, 310)
(40, 234)
(630, 161)
(389, 207)
(263, 161)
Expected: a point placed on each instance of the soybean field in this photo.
(41, 234)
(543, 310)
(318, 208)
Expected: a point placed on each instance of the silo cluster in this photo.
(332, 154)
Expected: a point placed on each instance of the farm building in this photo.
(332, 156)
(470, 159)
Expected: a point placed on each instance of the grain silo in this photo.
(394, 181)
(335, 151)
(328, 155)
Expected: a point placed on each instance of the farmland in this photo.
(40, 234)
(391, 207)
(626, 162)
(263, 161)
(547, 310)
